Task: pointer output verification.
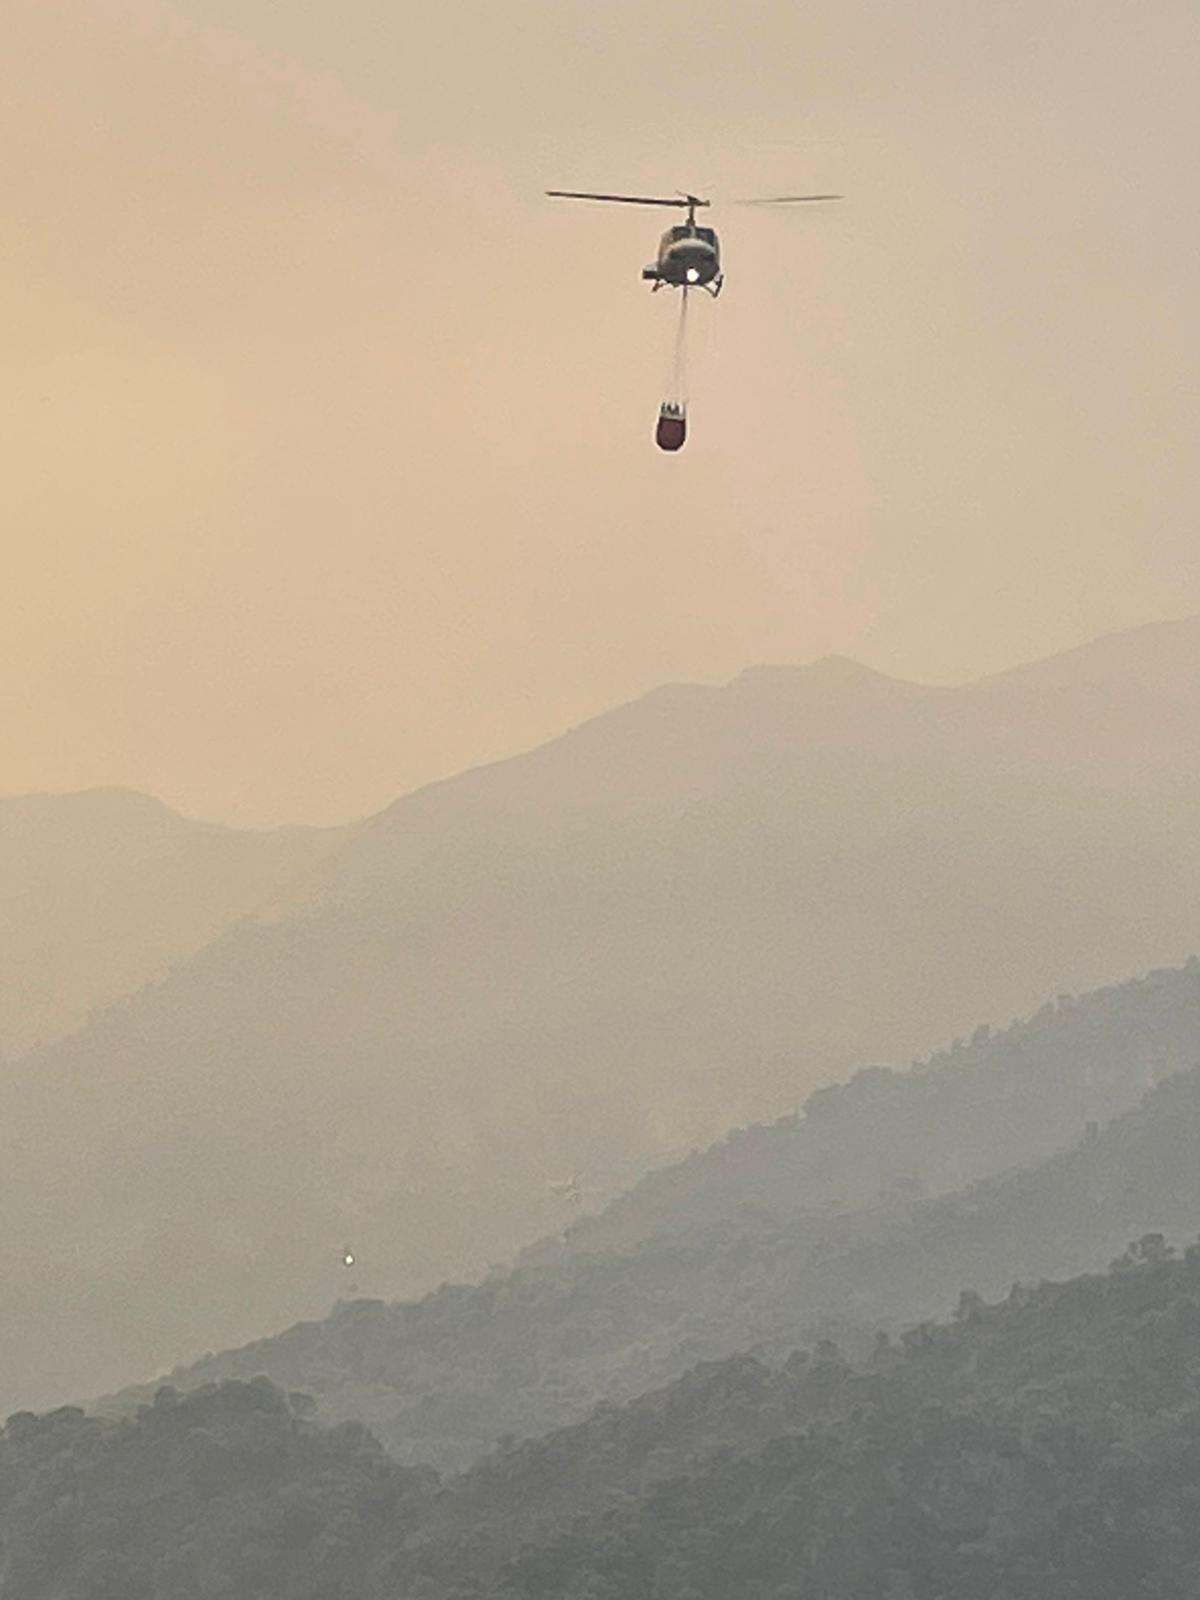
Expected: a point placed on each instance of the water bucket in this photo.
(672, 426)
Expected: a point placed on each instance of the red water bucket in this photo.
(672, 426)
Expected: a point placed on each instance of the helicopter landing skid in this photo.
(714, 288)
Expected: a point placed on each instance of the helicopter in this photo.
(689, 256)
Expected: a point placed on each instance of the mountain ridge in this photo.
(1041, 1445)
(585, 960)
(107, 889)
(529, 1350)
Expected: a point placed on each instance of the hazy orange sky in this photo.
(328, 461)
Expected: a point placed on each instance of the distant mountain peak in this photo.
(103, 797)
(831, 672)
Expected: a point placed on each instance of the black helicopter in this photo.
(689, 256)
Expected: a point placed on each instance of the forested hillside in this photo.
(684, 916)
(1044, 1447)
(228, 1493)
(1002, 1099)
(525, 1352)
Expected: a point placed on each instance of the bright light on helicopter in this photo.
(692, 275)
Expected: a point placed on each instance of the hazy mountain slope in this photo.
(524, 1353)
(105, 891)
(682, 916)
(1001, 1100)
(1045, 1447)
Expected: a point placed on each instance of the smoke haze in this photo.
(327, 439)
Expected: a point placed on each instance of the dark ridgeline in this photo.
(808, 1228)
(681, 917)
(1043, 1447)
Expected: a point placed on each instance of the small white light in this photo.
(692, 275)
(347, 1259)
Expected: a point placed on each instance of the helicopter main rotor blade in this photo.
(787, 199)
(623, 199)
